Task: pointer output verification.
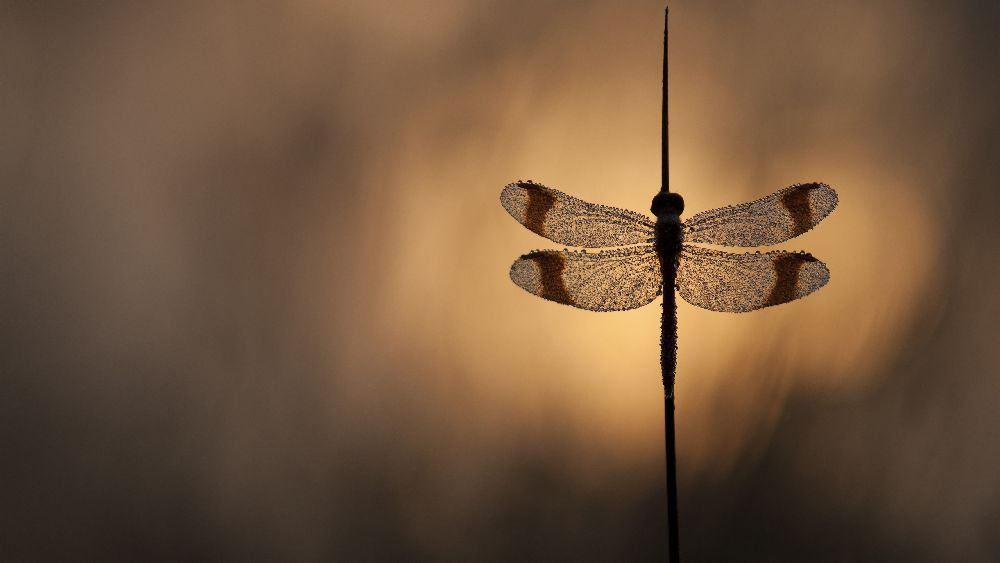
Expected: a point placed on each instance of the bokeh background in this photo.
(254, 300)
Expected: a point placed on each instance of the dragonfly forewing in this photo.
(738, 283)
(612, 280)
(567, 220)
(776, 218)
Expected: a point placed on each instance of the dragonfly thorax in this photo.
(668, 208)
(667, 202)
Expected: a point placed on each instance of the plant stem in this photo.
(668, 334)
(668, 419)
(665, 145)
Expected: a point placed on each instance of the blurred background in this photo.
(254, 301)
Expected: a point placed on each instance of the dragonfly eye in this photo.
(667, 202)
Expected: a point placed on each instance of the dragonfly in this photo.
(637, 253)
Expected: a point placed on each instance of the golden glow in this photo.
(257, 254)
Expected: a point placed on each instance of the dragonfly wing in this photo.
(612, 280)
(776, 218)
(573, 222)
(737, 283)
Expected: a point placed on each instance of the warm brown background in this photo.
(254, 299)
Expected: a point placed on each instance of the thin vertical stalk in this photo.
(665, 145)
(668, 333)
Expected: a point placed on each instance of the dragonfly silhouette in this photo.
(649, 252)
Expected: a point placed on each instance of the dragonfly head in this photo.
(667, 202)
